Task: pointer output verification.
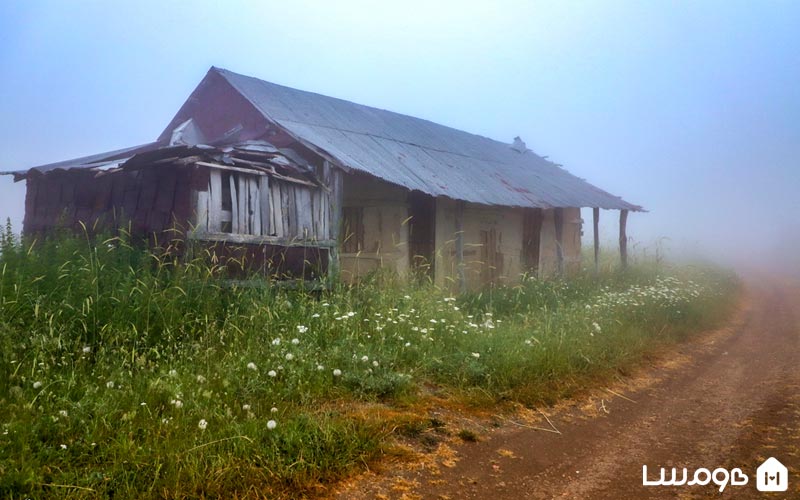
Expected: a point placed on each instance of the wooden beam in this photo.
(334, 181)
(623, 238)
(252, 239)
(248, 171)
(462, 279)
(558, 216)
(596, 230)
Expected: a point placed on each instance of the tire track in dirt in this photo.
(731, 399)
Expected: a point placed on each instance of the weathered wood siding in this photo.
(383, 230)
(571, 244)
(239, 203)
(148, 200)
(492, 240)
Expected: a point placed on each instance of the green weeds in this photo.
(134, 374)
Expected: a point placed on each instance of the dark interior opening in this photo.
(422, 232)
(531, 234)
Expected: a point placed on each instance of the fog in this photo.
(691, 110)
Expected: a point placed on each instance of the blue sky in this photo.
(691, 109)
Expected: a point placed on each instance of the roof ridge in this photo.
(224, 72)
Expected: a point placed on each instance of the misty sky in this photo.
(691, 109)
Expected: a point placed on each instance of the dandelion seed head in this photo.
(271, 424)
(202, 424)
(337, 372)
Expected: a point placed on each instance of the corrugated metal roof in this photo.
(419, 154)
(91, 161)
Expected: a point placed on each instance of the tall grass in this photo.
(130, 373)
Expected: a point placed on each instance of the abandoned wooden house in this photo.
(301, 180)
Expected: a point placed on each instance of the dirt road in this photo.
(728, 399)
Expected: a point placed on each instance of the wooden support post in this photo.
(462, 279)
(623, 238)
(558, 215)
(596, 228)
(333, 178)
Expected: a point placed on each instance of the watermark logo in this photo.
(702, 476)
(772, 476)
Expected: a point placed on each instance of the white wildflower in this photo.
(37, 384)
(375, 364)
(202, 424)
(302, 329)
(201, 379)
(63, 413)
(273, 410)
(337, 372)
(252, 366)
(364, 359)
(173, 373)
(271, 424)
(315, 315)
(320, 368)
(289, 356)
(246, 407)
(476, 355)
(86, 349)
(272, 373)
(295, 341)
(276, 341)
(110, 384)
(63, 447)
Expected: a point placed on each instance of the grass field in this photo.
(124, 374)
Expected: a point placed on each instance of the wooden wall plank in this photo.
(255, 205)
(201, 221)
(241, 181)
(234, 206)
(276, 209)
(287, 210)
(264, 205)
(305, 228)
(215, 201)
